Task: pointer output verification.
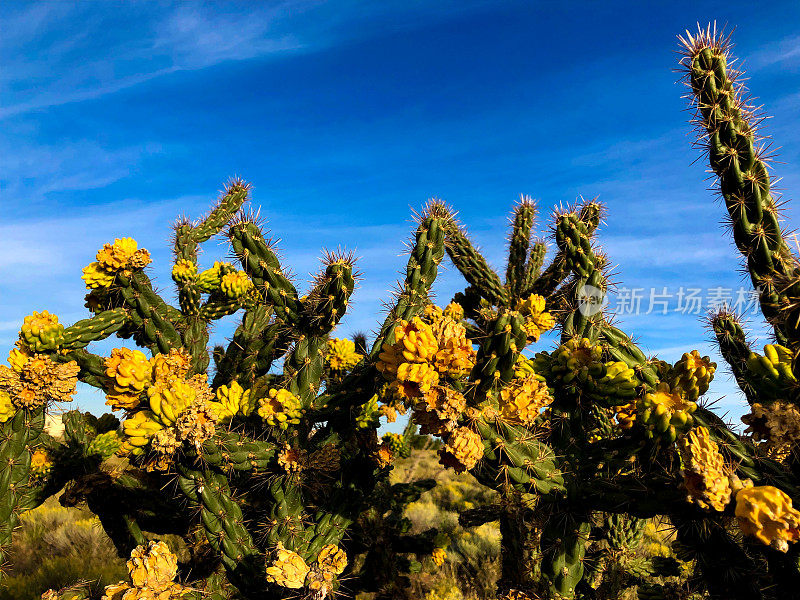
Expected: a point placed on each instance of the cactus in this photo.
(278, 457)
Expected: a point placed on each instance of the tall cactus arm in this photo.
(564, 540)
(473, 266)
(728, 131)
(734, 348)
(518, 243)
(240, 356)
(533, 269)
(426, 255)
(93, 329)
(92, 368)
(590, 215)
(152, 316)
(262, 265)
(16, 435)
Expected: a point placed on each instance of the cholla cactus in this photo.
(297, 427)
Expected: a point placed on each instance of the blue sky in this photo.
(116, 118)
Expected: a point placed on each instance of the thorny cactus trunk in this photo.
(263, 471)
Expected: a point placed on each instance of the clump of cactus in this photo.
(263, 469)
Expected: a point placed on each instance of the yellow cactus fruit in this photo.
(128, 373)
(176, 363)
(168, 399)
(288, 569)
(625, 415)
(462, 450)
(775, 424)
(41, 463)
(705, 474)
(233, 399)
(280, 408)
(114, 257)
(138, 430)
(665, 412)
(454, 311)
(522, 399)
(235, 284)
(415, 342)
(766, 513)
(578, 359)
(537, 320)
(153, 566)
(332, 559)
(439, 555)
(384, 456)
(693, 374)
(96, 277)
(414, 380)
(456, 356)
(341, 355)
(7, 408)
(210, 279)
(184, 271)
(41, 332)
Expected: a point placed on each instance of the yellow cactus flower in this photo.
(439, 555)
(41, 463)
(292, 460)
(415, 342)
(129, 373)
(332, 559)
(415, 379)
(341, 354)
(176, 363)
(288, 569)
(184, 271)
(522, 399)
(96, 277)
(18, 357)
(280, 408)
(537, 320)
(153, 566)
(705, 474)
(168, 399)
(235, 284)
(7, 408)
(462, 450)
(39, 381)
(439, 409)
(233, 399)
(114, 257)
(41, 331)
(665, 411)
(139, 429)
(766, 513)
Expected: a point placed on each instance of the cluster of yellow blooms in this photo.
(439, 555)
(426, 350)
(41, 463)
(523, 398)
(180, 407)
(705, 474)
(289, 570)
(122, 256)
(152, 570)
(292, 460)
(33, 380)
(280, 408)
(341, 355)
(537, 320)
